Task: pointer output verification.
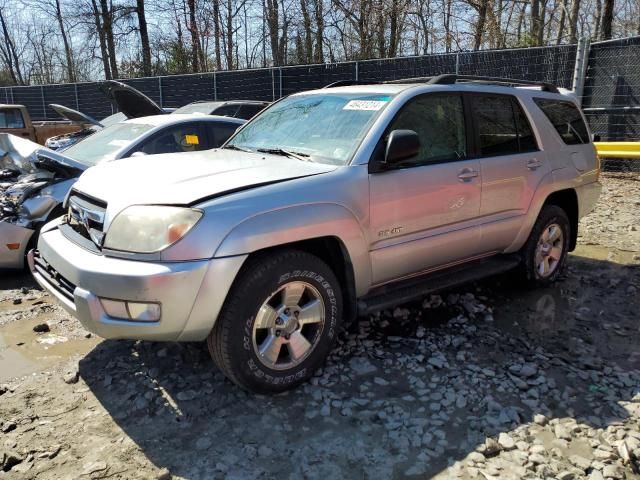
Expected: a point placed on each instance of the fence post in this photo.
(357, 71)
(280, 73)
(44, 107)
(75, 91)
(160, 91)
(580, 70)
(457, 63)
(215, 86)
(273, 86)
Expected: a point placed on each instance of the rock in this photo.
(476, 457)
(264, 451)
(380, 381)
(566, 475)
(437, 361)
(41, 328)
(71, 377)
(203, 443)
(602, 454)
(580, 462)
(612, 471)
(164, 474)
(561, 432)
(537, 459)
(24, 290)
(361, 366)
(3, 389)
(506, 441)
(92, 467)
(596, 475)
(540, 419)
(325, 411)
(10, 459)
(186, 395)
(8, 427)
(17, 301)
(491, 447)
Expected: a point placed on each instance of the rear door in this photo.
(424, 214)
(512, 166)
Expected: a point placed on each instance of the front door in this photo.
(424, 211)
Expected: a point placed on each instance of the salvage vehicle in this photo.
(246, 109)
(328, 204)
(130, 103)
(15, 120)
(37, 181)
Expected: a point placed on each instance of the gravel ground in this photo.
(492, 381)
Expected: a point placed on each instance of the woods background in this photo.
(57, 41)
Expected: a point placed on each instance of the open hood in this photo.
(74, 115)
(133, 103)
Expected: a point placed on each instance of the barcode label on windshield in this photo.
(371, 105)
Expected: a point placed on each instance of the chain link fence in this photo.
(609, 80)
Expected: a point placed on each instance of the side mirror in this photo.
(401, 145)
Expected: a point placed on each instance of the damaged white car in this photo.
(34, 180)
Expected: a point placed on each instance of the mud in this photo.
(490, 381)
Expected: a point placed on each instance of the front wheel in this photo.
(546, 249)
(279, 322)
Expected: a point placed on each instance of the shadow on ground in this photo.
(409, 393)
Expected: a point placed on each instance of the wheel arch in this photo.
(567, 199)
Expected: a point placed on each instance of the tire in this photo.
(277, 299)
(542, 261)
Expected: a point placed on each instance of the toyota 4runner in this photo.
(328, 204)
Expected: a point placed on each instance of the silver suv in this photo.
(328, 204)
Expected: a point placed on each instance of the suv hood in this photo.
(187, 178)
(133, 103)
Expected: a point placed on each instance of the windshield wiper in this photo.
(286, 153)
(236, 147)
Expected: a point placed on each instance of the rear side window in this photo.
(175, 139)
(247, 112)
(229, 110)
(11, 118)
(503, 128)
(566, 119)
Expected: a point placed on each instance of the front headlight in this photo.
(150, 228)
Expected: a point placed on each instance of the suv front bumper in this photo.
(190, 294)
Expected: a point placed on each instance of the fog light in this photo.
(146, 312)
(115, 308)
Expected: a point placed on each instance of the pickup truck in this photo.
(15, 119)
(327, 204)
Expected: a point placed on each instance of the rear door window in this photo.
(229, 110)
(175, 139)
(566, 119)
(247, 112)
(502, 127)
(11, 118)
(219, 132)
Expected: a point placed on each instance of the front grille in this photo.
(57, 281)
(86, 216)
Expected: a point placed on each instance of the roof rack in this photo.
(449, 79)
(346, 83)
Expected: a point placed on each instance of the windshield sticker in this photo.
(370, 105)
(192, 139)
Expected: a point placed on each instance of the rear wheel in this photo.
(546, 249)
(278, 323)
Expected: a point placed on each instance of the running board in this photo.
(417, 287)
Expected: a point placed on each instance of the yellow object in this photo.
(192, 139)
(618, 149)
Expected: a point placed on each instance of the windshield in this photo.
(326, 128)
(204, 107)
(104, 145)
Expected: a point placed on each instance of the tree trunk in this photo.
(144, 38)
(229, 34)
(11, 53)
(318, 54)
(216, 33)
(563, 19)
(394, 28)
(607, 19)
(273, 15)
(65, 41)
(535, 22)
(307, 46)
(102, 41)
(480, 24)
(193, 30)
(573, 24)
(107, 26)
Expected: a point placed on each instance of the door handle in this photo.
(467, 174)
(533, 164)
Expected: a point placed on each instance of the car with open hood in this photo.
(34, 180)
(328, 204)
(128, 101)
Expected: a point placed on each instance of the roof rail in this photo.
(346, 83)
(448, 79)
